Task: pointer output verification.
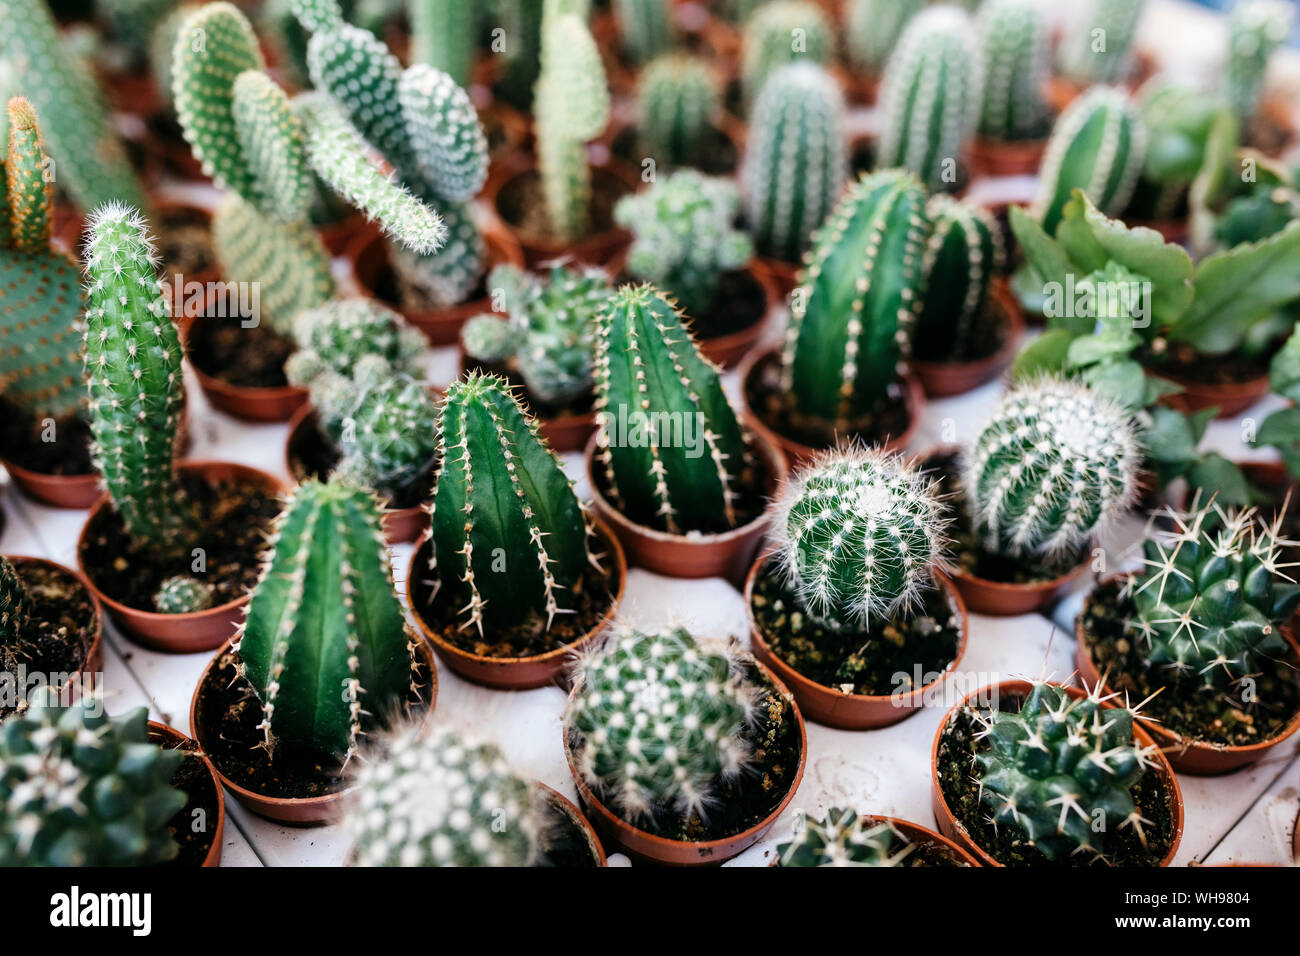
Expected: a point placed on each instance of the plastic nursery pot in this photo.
(370, 265)
(562, 804)
(248, 403)
(726, 555)
(86, 678)
(513, 673)
(956, 831)
(915, 833)
(644, 846)
(1005, 599)
(59, 491)
(179, 633)
(1186, 755)
(294, 811)
(169, 738)
(999, 157)
(940, 379)
(783, 276)
(1230, 399)
(833, 707)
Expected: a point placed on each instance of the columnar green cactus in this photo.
(677, 102)
(873, 29)
(1097, 145)
(1097, 46)
(133, 375)
(859, 534)
(852, 318)
(660, 721)
(1213, 596)
(509, 535)
(1051, 469)
(79, 788)
(443, 36)
(843, 838)
(962, 255)
(15, 605)
(684, 240)
(781, 32)
(337, 334)
(671, 448)
(1014, 51)
(645, 27)
(183, 594)
(325, 639)
(393, 438)
(1256, 28)
(795, 160)
(522, 22)
(1062, 770)
(930, 96)
(1179, 120)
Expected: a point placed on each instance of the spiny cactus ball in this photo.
(393, 438)
(183, 594)
(843, 838)
(487, 338)
(337, 334)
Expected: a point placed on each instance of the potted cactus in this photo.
(851, 608)
(840, 374)
(872, 29)
(1030, 773)
(684, 486)
(683, 751)
(1256, 30)
(844, 837)
(777, 34)
(50, 629)
(1097, 46)
(323, 657)
(1202, 633)
(161, 519)
(441, 799)
(514, 575)
(1014, 118)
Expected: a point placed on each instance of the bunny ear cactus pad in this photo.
(962, 255)
(272, 138)
(449, 143)
(843, 838)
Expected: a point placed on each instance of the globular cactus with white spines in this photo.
(659, 721)
(671, 448)
(844, 838)
(1098, 145)
(1213, 595)
(796, 159)
(1062, 770)
(852, 317)
(443, 36)
(645, 27)
(963, 253)
(80, 788)
(1051, 469)
(183, 594)
(1015, 58)
(15, 605)
(779, 33)
(501, 494)
(325, 641)
(439, 799)
(134, 381)
(930, 97)
(393, 438)
(1097, 45)
(859, 534)
(488, 338)
(683, 236)
(677, 103)
(336, 335)
(873, 28)
(1256, 29)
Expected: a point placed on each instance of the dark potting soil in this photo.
(313, 455)
(185, 242)
(1120, 846)
(22, 441)
(233, 523)
(877, 662)
(247, 357)
(738, 303)
(62, 624)
(194, 830)
(987, 335)
(769, 401)
(521, 203)
(228, 714)
(717, 157)
(1184, 707)
(1181, 359)
(750, 797)
(932, 853)
(564, 841)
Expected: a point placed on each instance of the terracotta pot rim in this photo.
(578, 817)
(915, 832)
(95, 646)
(1239, 389)
(46, 477)
(170, 735)
(1012, 587)
(513, 167)
(1013, 322)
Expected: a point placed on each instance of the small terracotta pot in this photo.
(915, 833)
(570, 810)
(94, 664)
(997, 157)
(247, 403)
(1006, 599)
(1231, 399)
(513, 673)
(727, 554)
(294, 811)
(1185, 755)
(784, 276)
(796, 452)
(832, 707)
(952, 828)
(440, 326)
(172, 739)
(346, 233)
(1062, 92)
(59, 491)
(941, 379)
(179, 633)
(643, 846)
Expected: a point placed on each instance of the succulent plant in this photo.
(1061, 770)
(683, 236)
(645, 27)
(1097, 46)
(15, 605)
(844, 838)
(1256, 28)
(1054, 465)
(873, 29)
(79, 788)
(1014, 53)
(1179, 119)
(963, 253)
(393, 438)
(930, 97)
(488, 338)
(677, 102)
(443, 35)
(671, 448)
(795, 160)
(183, 594)
(336, 335)
(325, 640)
(782, 32)
(660, 721)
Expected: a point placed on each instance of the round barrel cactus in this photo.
(843, 838)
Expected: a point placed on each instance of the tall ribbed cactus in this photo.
(677, 102)
(962, 255)
(133, 376)
(325, 640)
(1015, 63)
(15, 605)
(509, 535)
(781, 32)
(443, 35)
(671, 448)
(1097, 46)
(1097, 145)
(1256, 28)
(873, 29)
(795, 160)
(860, 533)
(1053, 467)
(853, 316)
(930, 96)
(645, 27)
(844, 838)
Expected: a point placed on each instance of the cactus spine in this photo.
(15, 605)
(873, 29)
(677, 101)
(182, 594)
(844, 838)
(1098, 43)
(646, 27)
(1014, 55)
(962, 255)
(443, 36)
(782, 32)
(1256, 28)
